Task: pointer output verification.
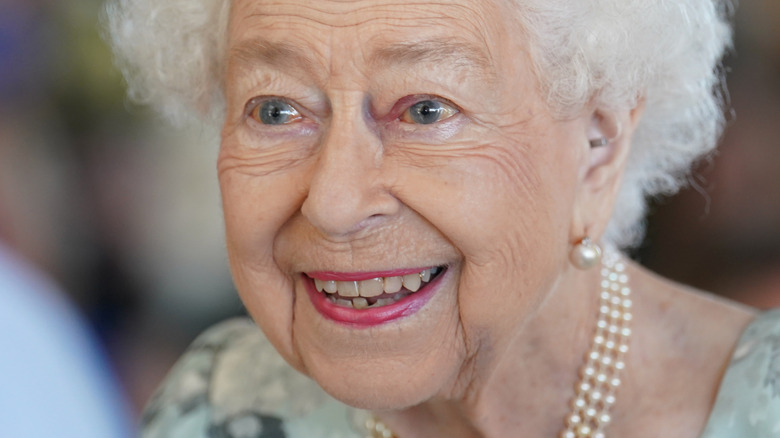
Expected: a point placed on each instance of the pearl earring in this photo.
(585, 254)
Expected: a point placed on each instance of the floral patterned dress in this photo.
(231, 383)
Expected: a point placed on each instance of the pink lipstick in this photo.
(405, 303)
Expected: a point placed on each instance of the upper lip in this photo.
(364, 275)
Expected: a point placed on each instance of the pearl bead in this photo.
(585, 254)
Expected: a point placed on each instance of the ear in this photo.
(601, 168)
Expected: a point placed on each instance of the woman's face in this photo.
(392, 140)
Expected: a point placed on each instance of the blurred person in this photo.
(82, 183)
(425, 206)
(54, 378)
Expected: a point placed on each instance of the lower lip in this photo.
(369, 317)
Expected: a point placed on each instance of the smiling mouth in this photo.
(374, 292)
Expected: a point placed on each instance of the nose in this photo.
(348, 189)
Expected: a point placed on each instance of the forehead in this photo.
(469, 34)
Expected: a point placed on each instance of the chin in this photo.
(391, 390)
(391, 365)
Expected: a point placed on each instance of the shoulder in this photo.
(748, 402)
(231, 382)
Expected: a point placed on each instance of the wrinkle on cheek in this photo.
(277, 318)
(257, 166)
(260, 163)
(506, 167)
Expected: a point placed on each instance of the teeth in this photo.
(354, 294)
(330, 287)
(412, 282)
(325, 285)
(360, 303)
(371, 288)
(383, 302)
(393, 284)
(343, 303)
(348, 288)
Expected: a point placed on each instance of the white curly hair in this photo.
(611, 52)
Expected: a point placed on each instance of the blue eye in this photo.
(427, 112)
(275, 112)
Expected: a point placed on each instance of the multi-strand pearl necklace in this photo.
(600, 373)
(377, 429)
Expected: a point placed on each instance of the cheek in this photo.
(255, 208)
(493, 205)
(507, 211)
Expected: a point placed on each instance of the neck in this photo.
(526, 389)
(686, 341)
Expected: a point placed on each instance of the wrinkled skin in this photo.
(497, 192)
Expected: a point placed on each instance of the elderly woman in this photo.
(417, 197)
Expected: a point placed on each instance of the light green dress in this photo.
(231, 383)
(748, 402)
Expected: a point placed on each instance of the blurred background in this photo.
(123, 212)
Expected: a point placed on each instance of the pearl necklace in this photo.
(600, 373)
(377, 429)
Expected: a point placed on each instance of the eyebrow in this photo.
(252, 53)
(456, 55)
